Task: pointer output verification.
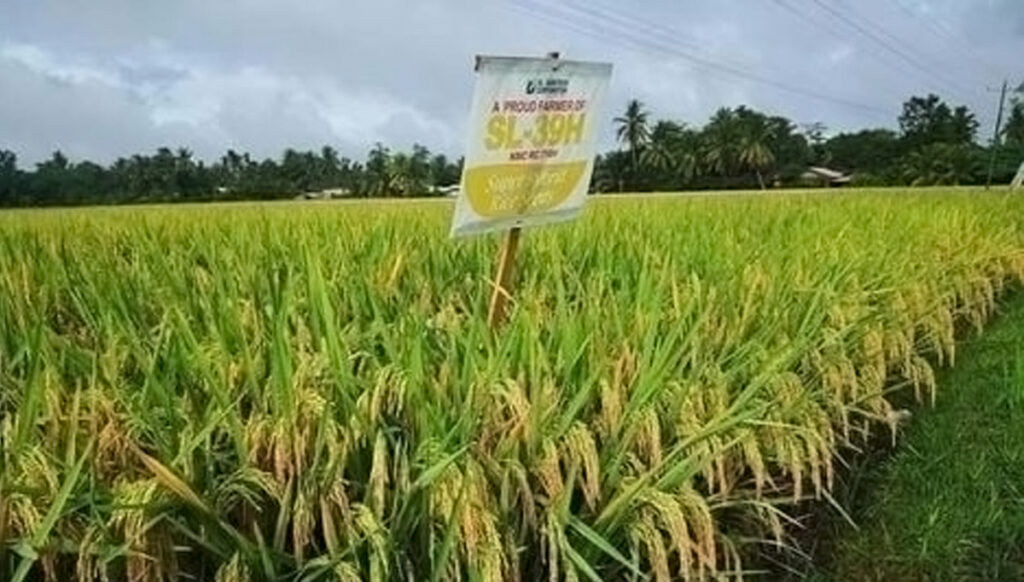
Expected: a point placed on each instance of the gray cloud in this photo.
(113, 77)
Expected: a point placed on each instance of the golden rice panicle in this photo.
(377, 483)
(234, 570)
(581, 449)
(315, 387)
(646, 536)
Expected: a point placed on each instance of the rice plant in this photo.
(311, 392)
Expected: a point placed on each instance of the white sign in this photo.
(1018, 181)
(532, 134)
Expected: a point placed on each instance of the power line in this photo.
(896, 39)
(605, 31)
(818, 24)
(669, 34)
(867, 32)
(944, 32)
(948, 36)
(674, 35)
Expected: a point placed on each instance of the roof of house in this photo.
(832, 176)
(827, 173)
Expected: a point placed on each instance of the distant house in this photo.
(451, 190)
(824, 177)
(326, 194)
(336, 192)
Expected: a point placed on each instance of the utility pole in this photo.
(995, 136)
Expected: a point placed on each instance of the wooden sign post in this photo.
(506, 266)
(530, 153)
(503, 278)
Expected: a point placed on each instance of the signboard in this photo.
(1018, 181)
(532, 134)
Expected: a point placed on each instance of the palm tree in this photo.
(719, 142)
(400, 174)
(231, 162)
(299, 169)
(659, 157)
(184, 175)
(672, 151)
(376, 170)
(610, 171)
(659, 153)
(419, 168)
(633, 131)
(8, 176)
(920, 169)
(754, 152)
(939, 164)
(329, 166)
(440, 171)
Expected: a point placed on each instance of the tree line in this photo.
(936, 144)
(176, 175)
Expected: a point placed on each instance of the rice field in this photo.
(310, 392)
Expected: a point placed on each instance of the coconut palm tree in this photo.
(633, 131)
(328, 167)
(720, 143)
(8, 176)
(659, 153)
(610, 171)
(401, 177)
(672, 152)
(754, 152)
(408, 173)
(376, 171)
(940, 164)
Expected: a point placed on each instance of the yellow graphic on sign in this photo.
(507, 190)
(549, 130)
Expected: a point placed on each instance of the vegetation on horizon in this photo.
(312, 393)
(738, 148)
(743, 148)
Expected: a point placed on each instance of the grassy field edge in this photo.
(948, 503)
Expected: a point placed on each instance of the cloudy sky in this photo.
(109, 78)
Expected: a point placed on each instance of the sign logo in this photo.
(547, 86)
